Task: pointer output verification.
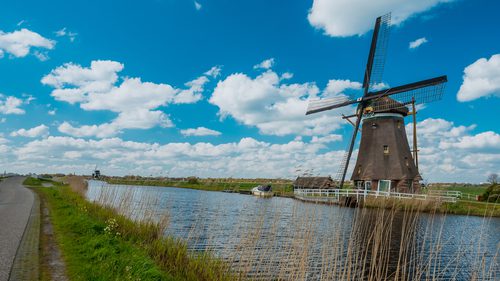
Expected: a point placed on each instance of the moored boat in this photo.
(263, 191)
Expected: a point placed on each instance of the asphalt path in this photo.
(16, 202)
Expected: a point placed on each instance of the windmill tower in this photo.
(385, 161)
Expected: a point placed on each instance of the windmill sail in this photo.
(378, 50)
(319, 105)
(421, 92)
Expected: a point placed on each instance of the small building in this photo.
(314, 183)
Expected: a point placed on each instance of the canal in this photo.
(283, 238)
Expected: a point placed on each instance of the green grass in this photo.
(464, 188)
(99, 244)
(473, 208)
(90, 252)
(282, 189)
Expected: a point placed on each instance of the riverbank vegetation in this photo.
(99, 243)
(281, 187)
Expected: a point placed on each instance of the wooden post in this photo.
(415, 152)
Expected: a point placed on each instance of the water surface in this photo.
(287, 239)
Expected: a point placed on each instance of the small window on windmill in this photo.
(386, 149)
(359, 169)
(407, 162)
(399, 124)
(374, 126)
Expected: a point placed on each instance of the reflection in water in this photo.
(285, 239)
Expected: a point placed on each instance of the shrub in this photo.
(192, 180)
(492, 193)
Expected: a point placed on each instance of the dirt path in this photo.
(53, 266)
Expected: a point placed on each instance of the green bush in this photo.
(492, 193)
(193, 180)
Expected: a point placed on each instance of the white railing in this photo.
(451, 193)
(332, 195)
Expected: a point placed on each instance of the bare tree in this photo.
(492, 178)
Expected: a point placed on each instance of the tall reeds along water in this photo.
(284, 239)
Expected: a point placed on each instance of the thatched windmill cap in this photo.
(389, 105)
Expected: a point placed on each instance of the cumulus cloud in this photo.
(341, 18)
(193, 93)
(136, 102)
(275, 107)
(200, 131)
(10, 105)
(450, 153)
(417, 43)
(247, 157)
(38, 131)
(481, 79)
(266, 64)
(19, 43)
(336, 87)
(483, 141)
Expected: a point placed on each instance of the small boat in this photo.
(263, 191)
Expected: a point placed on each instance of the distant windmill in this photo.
(384, 157)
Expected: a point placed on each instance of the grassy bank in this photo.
(461, 207)
(280, 189)
(99, 244)
(473, 189)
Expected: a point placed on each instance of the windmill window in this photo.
(386, 149)
(399, 124)
(407, 162)
(374, 126)
(359, 169)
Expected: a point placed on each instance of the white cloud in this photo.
(417, 43)
(286, 76)
(484, 141)
(250, 157)
(197, 5)
(481, 79)
(266, 64)
(336, 87)
(200, 131)
(342, 18)
(10, 105)
(38, 131)
(214, 72)
(42, 56)
(193, 93)
(63, 32)
(274, 107)
(136, 102)
(452, 153)
(19, 43)
(245, 158)
(51, 112)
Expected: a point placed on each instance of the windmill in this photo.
(384, 156)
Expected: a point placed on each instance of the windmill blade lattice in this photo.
(380, 51)
(326, 104)
(422, 95)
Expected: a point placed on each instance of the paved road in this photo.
(15, 207)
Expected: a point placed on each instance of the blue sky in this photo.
(148, 104)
